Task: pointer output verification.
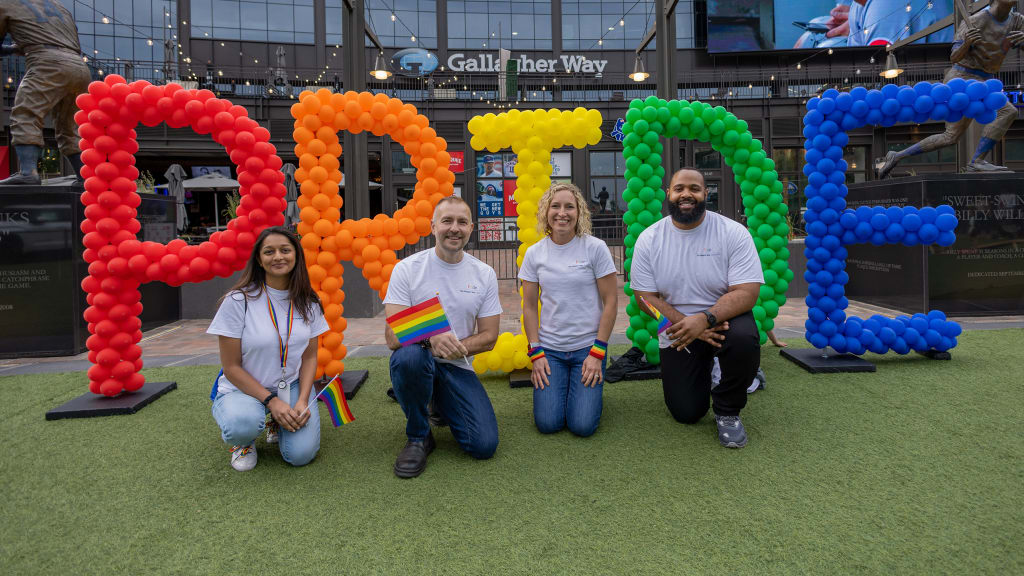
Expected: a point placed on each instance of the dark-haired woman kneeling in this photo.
(268, 325)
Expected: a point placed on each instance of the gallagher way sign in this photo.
(572, 63)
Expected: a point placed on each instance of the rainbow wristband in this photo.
(536, 354)
(599, 349)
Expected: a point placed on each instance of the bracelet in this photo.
(271, 396)
(599, 349)
(536, 353)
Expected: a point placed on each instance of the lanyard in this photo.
(282, 345)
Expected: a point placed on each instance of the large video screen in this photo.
(755, 25)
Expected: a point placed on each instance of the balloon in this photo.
(752, 169)
(118, 262)
(532, 135)
(369, 244)
(831, 226)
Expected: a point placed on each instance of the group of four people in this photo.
(698, 269)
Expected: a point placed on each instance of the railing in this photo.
(529, 88)
(502, 256)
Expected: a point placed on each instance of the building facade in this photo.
(445, 54)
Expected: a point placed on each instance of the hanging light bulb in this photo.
(892, 69)
(106, 20)
(393, 16)
(413, 37)
(149, 42)
(639, 70)
(799, 65)
(622, 22)
(380, 71)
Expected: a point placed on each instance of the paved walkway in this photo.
(185, 343)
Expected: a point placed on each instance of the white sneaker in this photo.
(273, 431)
(243, 458)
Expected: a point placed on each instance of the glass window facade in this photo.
(491, 24)
(618, 24)
(412, 19)
(332, 22)
(288, 21)
(595, 25)
(130, 30)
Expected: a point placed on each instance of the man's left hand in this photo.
(1015, 38)
(447, 346)
(687, 330)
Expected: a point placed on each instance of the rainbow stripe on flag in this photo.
(334, 398)
(419, 322)
(663, 322)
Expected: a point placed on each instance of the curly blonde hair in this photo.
(582, 209)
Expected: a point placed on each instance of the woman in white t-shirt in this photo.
(574, 276)
(268, 325)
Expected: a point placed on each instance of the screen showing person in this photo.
(488, 166)
(752, 25)
(489, 190)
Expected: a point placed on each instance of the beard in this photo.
(683, 217)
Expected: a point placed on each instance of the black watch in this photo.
(711, 318)
(271, 396)
(425, 343)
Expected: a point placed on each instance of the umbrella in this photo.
(175, 176)
(291, 194)
(211, 181)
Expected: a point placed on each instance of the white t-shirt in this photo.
(570, 305)
(692, 269)
(260, 349)
(468, 290)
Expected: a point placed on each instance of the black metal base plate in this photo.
(351, 382)
(811, 359)
(520, 379)
(90, 405)
(936, 355)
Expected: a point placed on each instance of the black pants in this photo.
(686, 377)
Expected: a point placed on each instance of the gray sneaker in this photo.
(985, 166)
(731, 432)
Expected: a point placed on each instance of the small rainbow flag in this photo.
(663, 322)
(334, 398)
(419, 322)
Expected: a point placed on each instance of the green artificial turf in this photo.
(916, 469)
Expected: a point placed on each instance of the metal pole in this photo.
(665, 50)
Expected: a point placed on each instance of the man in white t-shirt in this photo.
(702, 272)
(441, 368)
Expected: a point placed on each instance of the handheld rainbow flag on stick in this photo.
(334, 398)
(663, 322)
(419, 322)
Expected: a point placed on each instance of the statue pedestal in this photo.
(982, 274)
(41, 270)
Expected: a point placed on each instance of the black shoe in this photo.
(888, 163)
(413, 458)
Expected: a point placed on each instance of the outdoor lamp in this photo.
(892, 69)
(639, 71)
(380, 72)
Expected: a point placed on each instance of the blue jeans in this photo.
(565, 401)
(241, 419)
(457, 393)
